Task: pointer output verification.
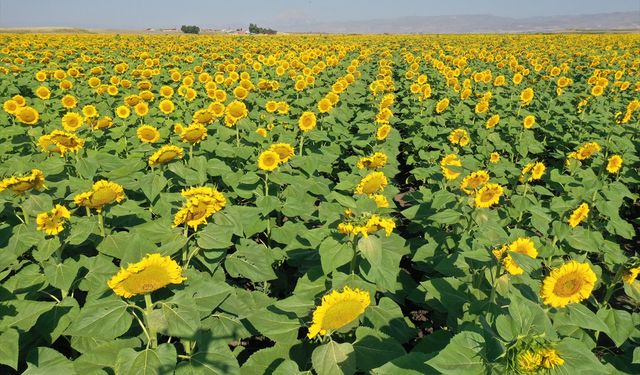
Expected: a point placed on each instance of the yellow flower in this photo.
(284, 150)
(459, 136)
(526, 96)
(597, 90)
(586, 150)
(261, 132)
(166, 154)
(630, 275)
(614, 164)
(52, 222)
(166, 106)
(27, 115)
(236, 110)
(219, 200)
(60, 142)
(473, 181)
(571, 283)
(337, 310)
(381, 200)
(372, 183)
(307, 121)
(324, 105)
(550, 358)
(450, 160)
(529, 361)
(442, 105)
(89, 111)
(10, 106)
(578, 215)
(377, 160)
(148, 134)
(529, 121)
(534, 170)
(382, 132)
(271, 106)
(494, 157)
(72, 121)
(101, 194)
(69, 101)
(522, 245)
(196, 211)
(492, 121)
(268, 160)
(43, 92)
(488, 195)
(194, 133)
(151, 273)
(123, 112)
(21, 184)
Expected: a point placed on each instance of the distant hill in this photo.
(475, 24)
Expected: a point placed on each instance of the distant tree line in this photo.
(190, 29)
(254, 29)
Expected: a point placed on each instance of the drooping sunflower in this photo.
(151, 273)
(372, 183)
(474, 181)
(166, 154)
(442, 105)
(579, 215)
(148, 134)
(194, 133)
(614, 164)
(20, 185)
(101, 194)
(450, 160)
(27, 115)
(492, 121)
(72, 121)
(196, 211)
(337, 310)
(268, 160)
(52, 223)
(381, 200)
(587, 150)
(571, 283)
(284, 151)
(488, 195)
(307, 121)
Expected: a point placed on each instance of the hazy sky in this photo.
(238, 13)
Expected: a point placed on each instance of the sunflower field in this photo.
(319, 204)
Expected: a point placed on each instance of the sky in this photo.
(136, 14)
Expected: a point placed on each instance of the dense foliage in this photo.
(190, 29)
(328, 205)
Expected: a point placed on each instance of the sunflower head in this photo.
(284, 150)
(101, 194)
(194, 133)
(571, 283)
(268, 160)
(20, 185)
(151, 273)
(488, 195)
(52, 222)
(338, 309)
(307, 121)
(579, 215)
(196, 211)
(372, 183)
(166, 154)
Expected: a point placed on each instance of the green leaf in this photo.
(159, 361)
(251, 261)
(447, 216)
(409, 364)
(373, 348)
(62, 275)
(619, 322)
(388, 318)
(81, 229)
(463, 355)
(275, 325)
(152, 185)
(9, 348)
(580, 316)
(46, 361)
(215, 361)
(267, 361)
(215, 236)
(22, 314)
(334, 254)
(181, 321)
(106, 318)
(334, 359)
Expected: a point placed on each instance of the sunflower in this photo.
(28, 115)
(307, 121)
(69, 101)
(19, 185)
(526, 96)
(494, 157)
(284, 150)
(123, 112)
(474, 181)
(236, 110)
(101, 194)
(203, 116)
(166, 106)
(488, 195)
(10, 106)
(630, 275)
(522, 245)
(586, 150)
(102, 123)
(261, 132)
(459, 137)
(72, 121)
(450, 160)
(372, 183)
(60, 142)
(535, 171)
(382, 132)
(442, 105)
(196, 211)
(337, 310)
(597, 90)
(324, 105)
(529, 121)
(571, 283)
(148, 134)
(43, 92)
(614, 164)
(194, 133)
(153, 272)
(52, 222)
(271, 106)
(141, 109)
(381, 200)
(268, 160)
(529, 361)
(166, 154)
(492, 121)
(550, 358)
(377, 160)
(219, 200)
(578, 215)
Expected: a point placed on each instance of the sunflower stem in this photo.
(526, 188)
(237, 136)
(611, 287)
(24, 215)
(352, 265)
(87, 210)
(301, 142)
(101, 223)
(185, 248)
(190, 151)
(494, 286)
(266, 184)
(153, 335)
